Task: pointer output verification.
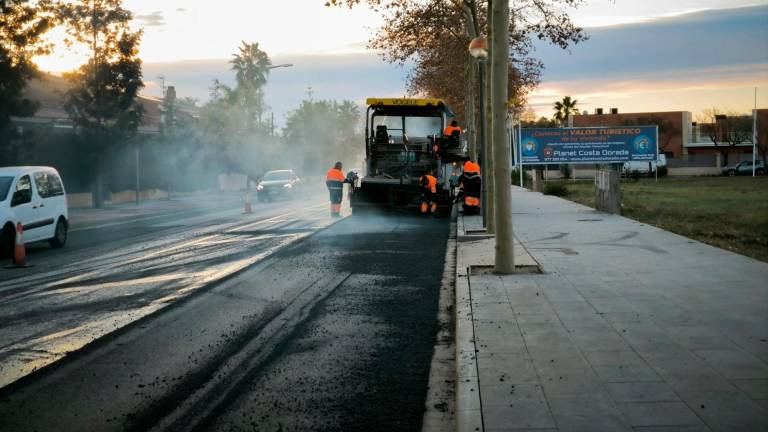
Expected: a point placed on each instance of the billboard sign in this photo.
(588, 145)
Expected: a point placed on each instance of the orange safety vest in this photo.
(448, 131)
(470, 166)
(334, 179)
(335, 175)
(431, 182)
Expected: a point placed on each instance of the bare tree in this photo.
(728, 132)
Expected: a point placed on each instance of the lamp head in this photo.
(478, 48)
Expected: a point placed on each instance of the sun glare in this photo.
(63, 58)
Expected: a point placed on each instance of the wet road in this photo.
(333, 331)
(111, 274)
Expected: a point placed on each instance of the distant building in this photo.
(49, 92)
(673, 133)
(679, 136)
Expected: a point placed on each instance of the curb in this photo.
(469, 416)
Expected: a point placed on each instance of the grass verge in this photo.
(727, 212)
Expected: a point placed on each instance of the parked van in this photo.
(644, 167)
(35, 197)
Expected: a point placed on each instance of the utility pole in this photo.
(754, 136)
(310, 92)
(479, 50)
(470, 23)
(162, 83)
(138, 185)
(484, 158)
(505, 258)
(490, 161)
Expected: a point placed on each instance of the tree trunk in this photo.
(607, 194)
(504, 261)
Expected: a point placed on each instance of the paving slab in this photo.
(629, 327)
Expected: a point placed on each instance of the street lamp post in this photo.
(478, 49)
(272, 119)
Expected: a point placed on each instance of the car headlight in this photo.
(287, 185)
(259, 187)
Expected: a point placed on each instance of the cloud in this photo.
(691, 42)
(155, 19)
(681, 62)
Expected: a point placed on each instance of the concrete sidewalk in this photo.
(629, 328)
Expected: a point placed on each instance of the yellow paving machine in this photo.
(403, 141)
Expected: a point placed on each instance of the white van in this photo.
(35, 197)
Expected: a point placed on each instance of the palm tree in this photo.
(564, 109)
(251, 66)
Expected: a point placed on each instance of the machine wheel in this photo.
(60, 235)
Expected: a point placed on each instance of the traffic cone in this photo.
(248, 208)
(19, 250)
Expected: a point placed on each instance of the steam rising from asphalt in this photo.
(191, 160)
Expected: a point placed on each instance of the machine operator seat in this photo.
(382, 137)
(452, 140)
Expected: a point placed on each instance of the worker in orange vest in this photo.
(428, 182)
(471, 167)
(469, 188)
(449, 130)
(335, 180)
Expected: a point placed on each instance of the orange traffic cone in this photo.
(248, 208)
(19, 250)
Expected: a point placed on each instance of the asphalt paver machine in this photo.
(403, 141)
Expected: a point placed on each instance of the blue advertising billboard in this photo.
(584, 145)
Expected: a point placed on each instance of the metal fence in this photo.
(693, 161)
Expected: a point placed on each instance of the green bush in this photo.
(566, 171)
(556, 189)
(527, 180)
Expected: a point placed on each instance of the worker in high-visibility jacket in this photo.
(471, 167)
(335, 180)
(469, 188)
(454, 127)
(428, 183)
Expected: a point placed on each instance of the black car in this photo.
(279, 184)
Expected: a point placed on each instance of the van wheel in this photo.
(7, 240)
(60, 235)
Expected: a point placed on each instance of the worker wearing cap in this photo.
(335, 180)
(428, 182)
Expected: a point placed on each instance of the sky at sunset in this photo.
(650, 55)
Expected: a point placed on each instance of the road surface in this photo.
(281, 320)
